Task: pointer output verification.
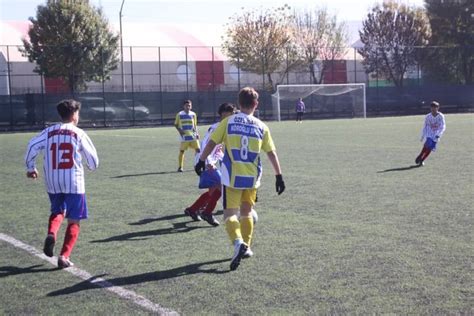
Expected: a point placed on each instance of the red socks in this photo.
(207, 200)
(55, 221)
(211, 204)
(425, 153)
(72, 232)
(200, 202)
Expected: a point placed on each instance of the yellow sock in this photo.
(181, 159)
(246, 226)
(232, 226)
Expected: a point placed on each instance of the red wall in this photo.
(55, 85)
(204, 77)
(335, 72)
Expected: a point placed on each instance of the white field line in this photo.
(99, 282)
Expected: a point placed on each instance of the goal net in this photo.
(321, 100)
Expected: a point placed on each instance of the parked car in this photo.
(14, 113)
(93, 108)
(124, 109)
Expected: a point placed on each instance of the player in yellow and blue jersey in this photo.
(186, 124)
(244, 137)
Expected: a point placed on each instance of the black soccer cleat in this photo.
(179, 169)
(239, 253)
(49, 246)
(194, 215)
(210, 219)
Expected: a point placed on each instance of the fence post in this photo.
(161, 85)
(42, 101)
(377, 106)
(9, 86)
(238, 68)
(103, 85)
(187, 79)
(355, 65)
(287, 79)
(263, 77)
(213, 86)
(133, 88)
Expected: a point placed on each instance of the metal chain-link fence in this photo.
(150, 84)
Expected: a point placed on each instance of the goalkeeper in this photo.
(244, 137)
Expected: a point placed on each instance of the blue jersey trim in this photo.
(251, 156)
(243, 182)
(185, 117)
(228, 164)
(244, 130)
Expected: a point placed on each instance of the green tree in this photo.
(70, 39)
(319, 39)
(452, 56)
(260, 42)
(392, 34)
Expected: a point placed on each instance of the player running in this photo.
(433, 129)
(186, 124)
(63, 145)
(244, 137)
(211, 178)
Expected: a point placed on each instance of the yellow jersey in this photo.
(188, 123)
(244, 137)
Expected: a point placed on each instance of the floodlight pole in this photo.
(121, 46)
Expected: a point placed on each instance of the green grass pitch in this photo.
(358, 230)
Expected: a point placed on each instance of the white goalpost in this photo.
(331, 100)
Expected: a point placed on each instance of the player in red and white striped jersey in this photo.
(433, 129)
(64, 145)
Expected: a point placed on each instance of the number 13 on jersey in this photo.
(65, 153)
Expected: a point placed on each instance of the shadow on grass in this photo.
(157, 219)
(92, 283)
(165, 218)
(6, 271)
(400, 169)
(177, 228)
(147, 174)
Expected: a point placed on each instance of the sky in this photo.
(202, 18)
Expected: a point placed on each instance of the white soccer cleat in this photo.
(248, 253)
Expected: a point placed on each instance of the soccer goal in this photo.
(321, 100)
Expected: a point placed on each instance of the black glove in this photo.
(280, 184)
(200, 167)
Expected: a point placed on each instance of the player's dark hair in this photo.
(434, 103)
(226, 108)
(187, 101)
(247, 97)
(66, 108)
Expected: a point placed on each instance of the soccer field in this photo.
(359, 229)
